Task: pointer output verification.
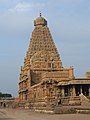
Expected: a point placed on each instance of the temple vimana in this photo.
(43, 79)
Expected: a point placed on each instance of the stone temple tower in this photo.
(42, 62)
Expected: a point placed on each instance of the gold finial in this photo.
(40, 14)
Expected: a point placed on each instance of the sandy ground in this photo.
(15, 114)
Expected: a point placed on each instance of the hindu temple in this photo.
(43, 78)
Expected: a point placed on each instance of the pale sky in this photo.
(69, 24)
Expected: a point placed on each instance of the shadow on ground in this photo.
(6, 118)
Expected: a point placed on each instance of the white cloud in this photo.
(24, 6)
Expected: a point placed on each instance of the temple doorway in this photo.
(66, 91)
(85, 90)
(77, 90)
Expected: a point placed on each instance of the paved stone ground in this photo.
(15, 114)
(3, 115)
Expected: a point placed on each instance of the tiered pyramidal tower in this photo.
(42, 49)
(42, 61)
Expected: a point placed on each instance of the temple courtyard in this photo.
(19, 114)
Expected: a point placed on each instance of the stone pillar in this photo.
(80, 89)
(24, 96)
(63, 92)
(73, 91)
(21, 96)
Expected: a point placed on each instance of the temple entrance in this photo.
(82, 89)
(85, 90)
(77, 90)
(59, 102)
(4, 105)
(66, 91)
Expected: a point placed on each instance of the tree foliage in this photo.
(5, 95)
